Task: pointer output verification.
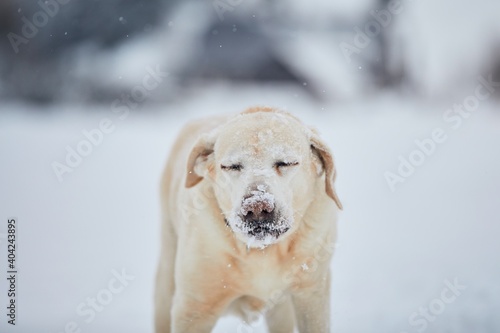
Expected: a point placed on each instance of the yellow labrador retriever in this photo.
(249, 225)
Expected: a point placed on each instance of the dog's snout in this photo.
(253, 205)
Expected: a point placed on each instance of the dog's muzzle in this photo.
(259, 216)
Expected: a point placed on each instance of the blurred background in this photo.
(93, 93)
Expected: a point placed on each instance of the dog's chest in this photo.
(266, 281)
(268, 277)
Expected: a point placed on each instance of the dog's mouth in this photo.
(259, 232)
(259, 221)
(262, 228)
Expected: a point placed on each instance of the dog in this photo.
(249, 213)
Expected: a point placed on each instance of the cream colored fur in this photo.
(207, 268)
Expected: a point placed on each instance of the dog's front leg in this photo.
(196, 314)
(191, 320)
(192, 316)
(312, 308)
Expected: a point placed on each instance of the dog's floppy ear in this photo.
(322, 152)
(198, 159)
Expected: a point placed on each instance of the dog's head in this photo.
(264, 166)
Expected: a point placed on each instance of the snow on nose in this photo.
(257, 203)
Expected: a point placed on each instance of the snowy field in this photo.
(397, 248)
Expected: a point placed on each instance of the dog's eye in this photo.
(232, 167)
(282, 164)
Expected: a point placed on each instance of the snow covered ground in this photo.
(397, 249)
